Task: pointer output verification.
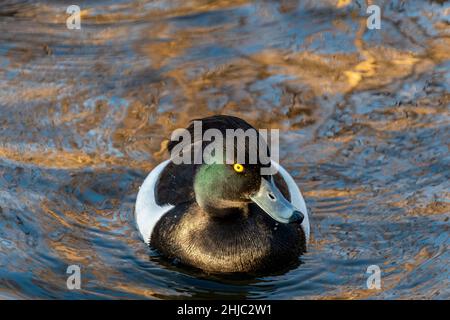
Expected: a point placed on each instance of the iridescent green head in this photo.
(224, 190)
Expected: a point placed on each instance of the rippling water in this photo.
(365, 131)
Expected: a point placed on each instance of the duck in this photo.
(223, 218)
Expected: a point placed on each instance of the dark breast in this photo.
(250, 243)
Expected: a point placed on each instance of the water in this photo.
(364, 118)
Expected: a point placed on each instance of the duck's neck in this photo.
(225, 212)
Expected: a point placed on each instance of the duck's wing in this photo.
(175, 185)
(148, 209)
(167, 186)
(295, 196)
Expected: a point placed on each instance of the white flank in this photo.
(147, 212)
(296, 197)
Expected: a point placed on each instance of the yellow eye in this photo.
(238, 167)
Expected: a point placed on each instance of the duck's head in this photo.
(225, 187)
(224, 190)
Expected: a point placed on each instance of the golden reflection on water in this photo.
(364, 115)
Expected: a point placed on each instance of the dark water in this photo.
(365, 131)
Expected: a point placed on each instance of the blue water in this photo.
(365, 129)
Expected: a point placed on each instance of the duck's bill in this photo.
(271, 200)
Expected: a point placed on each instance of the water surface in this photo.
(365, 129)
